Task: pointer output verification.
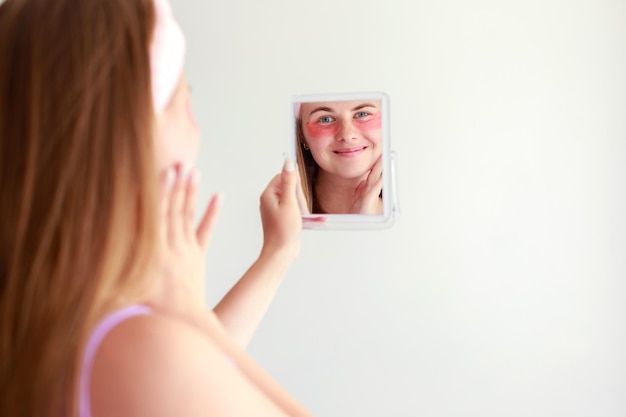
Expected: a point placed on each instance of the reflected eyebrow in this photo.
(361, 106)
(321, 109)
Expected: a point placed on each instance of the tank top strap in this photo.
(101, 330)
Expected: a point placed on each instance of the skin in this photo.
(243, 307)
(179, 360)
(344, 138)
(179, 135)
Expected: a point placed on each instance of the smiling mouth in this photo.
(350, 151)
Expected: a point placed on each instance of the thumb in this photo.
(288, 180)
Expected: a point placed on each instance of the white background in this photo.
(500, 290)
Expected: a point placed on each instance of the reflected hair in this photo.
(308, 169)
(78, 187)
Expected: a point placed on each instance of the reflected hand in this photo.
(367, 194)
(180, 268)
(280, 214)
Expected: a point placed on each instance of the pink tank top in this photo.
(101, 330)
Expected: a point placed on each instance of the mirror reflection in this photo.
(339, 152)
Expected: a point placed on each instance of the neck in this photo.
(335, 194)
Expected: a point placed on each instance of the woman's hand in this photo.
(180, 257)
(281, 215)
(244, 306)
(367, 194)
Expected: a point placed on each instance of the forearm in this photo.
(241, 310)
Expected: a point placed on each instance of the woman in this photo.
(339, 156)
(101, 267)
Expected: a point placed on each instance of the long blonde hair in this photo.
(77, 184)
(308, 169)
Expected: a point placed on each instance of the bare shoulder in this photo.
(153, 365)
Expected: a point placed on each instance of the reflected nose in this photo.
(347, 132)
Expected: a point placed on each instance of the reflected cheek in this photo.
(317, 131)
(374, 137)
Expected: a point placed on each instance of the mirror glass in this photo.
(341, 145)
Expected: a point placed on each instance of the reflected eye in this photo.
(361, 114)
(325, 119)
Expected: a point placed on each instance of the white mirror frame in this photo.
(390, 203)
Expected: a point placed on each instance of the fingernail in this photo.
(289, 165)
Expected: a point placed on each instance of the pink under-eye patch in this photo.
(319, 130)
(372, 122)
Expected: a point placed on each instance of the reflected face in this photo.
(179, 135)
(344, 137)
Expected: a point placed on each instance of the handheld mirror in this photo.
(341, 145)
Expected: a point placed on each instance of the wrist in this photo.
(277, 256)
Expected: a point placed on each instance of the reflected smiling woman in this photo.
(339, 156)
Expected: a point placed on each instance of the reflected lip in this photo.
(349, 151)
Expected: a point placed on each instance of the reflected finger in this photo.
(377, 169)
(378, 186)
(374, 184)
(374, 176)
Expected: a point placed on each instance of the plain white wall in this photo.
(500, 290)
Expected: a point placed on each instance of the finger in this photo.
(271, 194)
(373, 186)
(177, 199)
(357, 197)
(166, 184)
(372, 179)
(362, 185)
(377, 187)
(367, 196)
(289, 181)
(374, 176)
(189, 209)
(205, 228)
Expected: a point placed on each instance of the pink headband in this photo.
(167, 55)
